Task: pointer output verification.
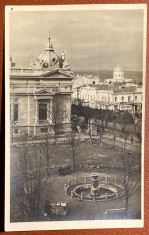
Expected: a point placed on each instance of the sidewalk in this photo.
(108, 139)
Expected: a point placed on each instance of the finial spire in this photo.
(49, 34)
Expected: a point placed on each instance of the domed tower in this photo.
(118, 72)
(48, 58)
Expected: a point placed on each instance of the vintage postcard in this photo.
(75, 92)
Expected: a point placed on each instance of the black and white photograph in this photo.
(75, 91)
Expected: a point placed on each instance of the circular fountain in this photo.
(94, 189)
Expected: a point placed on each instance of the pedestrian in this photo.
(97, 130)
(131, 139)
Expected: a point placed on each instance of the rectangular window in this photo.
(122, 98)
(15, 112)
(44, 130)
(135, 97)
(16, 131)
(42, 111)
(115, 99)
(115, 107)
(129, 98)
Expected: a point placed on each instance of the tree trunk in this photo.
(100, 134)
(126, 205)
(114, 141)
(74, 164)
(125, 143)
(114, 135)
(47, 165)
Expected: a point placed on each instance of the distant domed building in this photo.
(118, 76)
(118, 72)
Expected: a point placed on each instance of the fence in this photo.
(88, 179)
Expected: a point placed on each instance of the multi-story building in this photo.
(40, 95)
(85, 95)
(110, 97)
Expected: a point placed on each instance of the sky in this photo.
(93, 40)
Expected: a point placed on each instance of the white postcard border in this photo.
(48, 225)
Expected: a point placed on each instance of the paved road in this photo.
(106, 138)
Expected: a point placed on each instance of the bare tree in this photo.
(125, 136)
(73, 145)
(57, 113)
(101, 130)
(130, 176)
(114, 129)
(48, 148)
(29, 191)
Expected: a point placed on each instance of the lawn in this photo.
(90, 157)
(87, 155)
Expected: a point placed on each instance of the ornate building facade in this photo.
(40, 95)
(110, 97)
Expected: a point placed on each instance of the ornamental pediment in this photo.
(57, 74)
(44, 92)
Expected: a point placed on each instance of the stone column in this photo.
(85, 179)
(82, 197)
(75, 180)
(71, 194)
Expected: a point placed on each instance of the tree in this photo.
(126, 119)
(30, 188)
(57, 114)
(113, 118)
(125, 133)
(48, 147)
(114, 130)
(101, 130)
(73, 146)
(130, 177)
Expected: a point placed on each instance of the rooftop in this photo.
(46, 61)
(118, 68)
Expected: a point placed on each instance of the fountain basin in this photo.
(94, 188)
(104, 192)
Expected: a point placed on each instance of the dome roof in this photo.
(48, 56)
(118, 68)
